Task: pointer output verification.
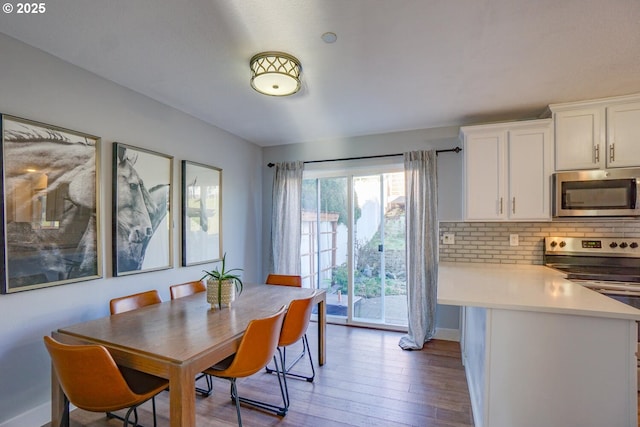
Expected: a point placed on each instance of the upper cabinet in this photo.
(507, 170)
(623, 135)
(597, 134)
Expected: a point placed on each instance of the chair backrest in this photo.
(89, 376)
(258, 345)
(132, 302)
(284, 280)
(296, 321)
(186, 289)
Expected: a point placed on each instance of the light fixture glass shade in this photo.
(275, 73)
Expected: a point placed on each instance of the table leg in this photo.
(182, 397)
(322, 331)
(57, 399)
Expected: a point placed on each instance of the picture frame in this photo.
(142, 238)
(201, 213)
(50, 205)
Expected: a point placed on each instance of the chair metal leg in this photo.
(134, 410)
(205, 392)
(153, 404)
(284, 350)
(284, 391)
(236, 398)
(305, 350)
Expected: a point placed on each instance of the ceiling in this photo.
(396, 65)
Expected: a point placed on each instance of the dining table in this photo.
(180, 338)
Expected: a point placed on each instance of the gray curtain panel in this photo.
(422, 247)
(286, 218)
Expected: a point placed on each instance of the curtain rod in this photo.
(450, 150)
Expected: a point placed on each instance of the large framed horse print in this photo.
(142, 226)
(50, 206)
(201, 213)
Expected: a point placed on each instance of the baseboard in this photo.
(38, 416)
(447, 334)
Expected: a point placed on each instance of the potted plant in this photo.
(222, 285)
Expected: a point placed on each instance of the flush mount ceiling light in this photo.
(275, 73)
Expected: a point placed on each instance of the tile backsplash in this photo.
(488, 242)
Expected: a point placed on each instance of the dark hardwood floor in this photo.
(367, 381)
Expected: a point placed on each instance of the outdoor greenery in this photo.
(333, 197)
(367, 275)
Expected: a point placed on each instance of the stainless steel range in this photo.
(608, 265)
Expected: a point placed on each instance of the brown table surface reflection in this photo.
(178, 339)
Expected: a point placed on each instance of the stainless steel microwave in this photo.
(595, 193)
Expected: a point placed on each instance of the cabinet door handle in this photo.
(513, 206)
(596, 153)
(612, 152)
(500, 205)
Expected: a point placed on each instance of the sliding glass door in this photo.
(325, 240)
(353, 245)
(379, 274)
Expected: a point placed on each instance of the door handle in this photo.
(596, 153)
(513, 206)
(612, 152)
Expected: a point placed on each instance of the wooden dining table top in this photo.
(179, 338)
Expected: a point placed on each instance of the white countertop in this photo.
(523, 287)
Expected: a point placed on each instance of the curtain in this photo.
(286, 218)
(422, 247)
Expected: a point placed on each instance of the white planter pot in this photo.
(225, 295)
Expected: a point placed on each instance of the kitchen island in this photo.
(540, 350)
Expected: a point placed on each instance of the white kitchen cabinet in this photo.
(577, 138)
(507, 171)
(597, 134)
(623, 135)
(531, 369)
(539, 350)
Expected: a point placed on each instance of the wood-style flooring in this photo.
(367, 381)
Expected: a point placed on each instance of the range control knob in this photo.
(613, 245)
(553, 244)
(623, 245)
(563, 244)
(633, 245)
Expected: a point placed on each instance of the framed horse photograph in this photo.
(201, 213)
(142, 226)
(50, 213)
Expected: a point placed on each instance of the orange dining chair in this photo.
(256, 349)
(186, 289)
(91, 380)
(132, 302)
(284, 280)
(295, 328)
(183, 290)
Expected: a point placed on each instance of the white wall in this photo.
(40, 87)
(449, 177)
